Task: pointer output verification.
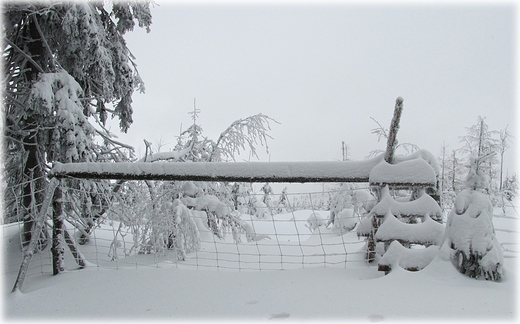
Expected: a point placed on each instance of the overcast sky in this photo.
(323, 71)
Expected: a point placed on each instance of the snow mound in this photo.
(345, 220)
(365, 226)
(409, 259)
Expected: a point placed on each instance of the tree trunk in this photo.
(32, 171)
(453, 172)
(501, 169)
(443, 184)
(29, 250)
(58, 250)
(85, 238)
(34, 183)
(80, 259)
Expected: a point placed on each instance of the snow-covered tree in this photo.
(266, 199)
(66, 68)
(283, 202)
(442, 158)
(503, 145)
(222, 202)
(454, 171)
(480, 141)
(241, 193)
(470, 236)
(510, 186)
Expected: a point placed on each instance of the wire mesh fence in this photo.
(204, 226)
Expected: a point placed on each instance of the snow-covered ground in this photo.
(324, 278)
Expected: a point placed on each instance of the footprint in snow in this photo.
(376, 318)
(279, 316)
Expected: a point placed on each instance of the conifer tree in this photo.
(66, 69)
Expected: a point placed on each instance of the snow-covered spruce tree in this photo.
(65, 65)
(469, 235)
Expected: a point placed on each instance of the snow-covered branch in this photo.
(241, 133)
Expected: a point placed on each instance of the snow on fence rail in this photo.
(417, 169)
(329, 171)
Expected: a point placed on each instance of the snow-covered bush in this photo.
(251, 235)
(157, 221)
(262, 210)
(346, 220)
(470, 235)
(268, 192)
(217, 212)
(158, 224)
(242, 205)
(283, 202)
(341, 199)
(363, 201)
(314, 221)
(510, 187)
(184, 237)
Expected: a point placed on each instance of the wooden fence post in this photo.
(391, 144)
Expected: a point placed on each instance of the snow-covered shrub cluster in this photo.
(348, 205)
(341, 199)
(345, 220)
(349, 196)
(172, 228)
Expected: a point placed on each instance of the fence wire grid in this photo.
(140, 224)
